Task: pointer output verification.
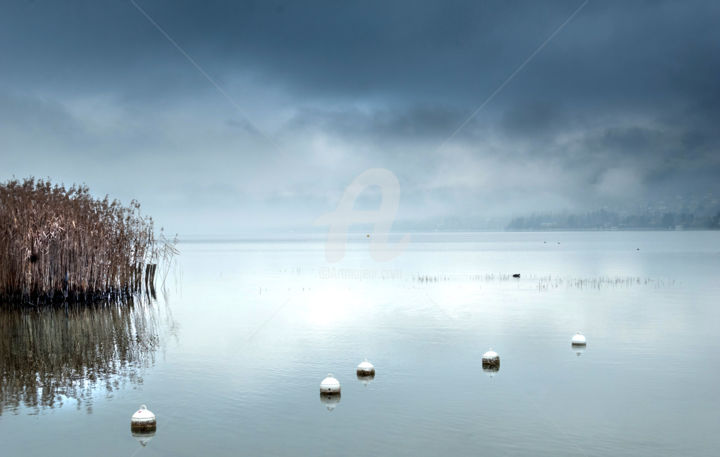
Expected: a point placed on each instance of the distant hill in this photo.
(608, 220)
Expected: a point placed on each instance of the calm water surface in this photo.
(231, 354)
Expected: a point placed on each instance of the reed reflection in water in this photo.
(50, 355)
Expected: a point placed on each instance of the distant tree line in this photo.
(609, 220)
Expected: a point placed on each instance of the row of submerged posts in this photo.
(143, 422)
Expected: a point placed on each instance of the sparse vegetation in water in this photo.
(550, 282)
(601, 282)
(61, 245)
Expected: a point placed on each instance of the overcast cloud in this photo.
(619, 110)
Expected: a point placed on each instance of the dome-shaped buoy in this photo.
(330, 385)
(491, 359)
(365, 368)
(579, 339)
(143, 420)
(330, 400)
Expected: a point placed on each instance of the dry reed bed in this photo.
(61, 245)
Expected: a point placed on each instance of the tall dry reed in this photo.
(62, 245)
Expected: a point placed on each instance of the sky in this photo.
(230, 117)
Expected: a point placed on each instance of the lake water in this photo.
(231, 354)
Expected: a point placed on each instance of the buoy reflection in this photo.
(330, 400)
(143, 437)
(365, 378)
(491, 370)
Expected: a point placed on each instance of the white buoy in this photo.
(579, 339)
(365, 368)
(330, 385)
(491, 359)
(143, 420)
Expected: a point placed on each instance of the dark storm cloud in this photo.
(620, 107)
(411, 123)
(415, 51)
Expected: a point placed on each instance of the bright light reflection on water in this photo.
(232, 364)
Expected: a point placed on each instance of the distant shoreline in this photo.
(360, 236)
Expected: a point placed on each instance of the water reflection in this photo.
(50, 355)
(330, 400)
(143, 438)
(365, 378)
